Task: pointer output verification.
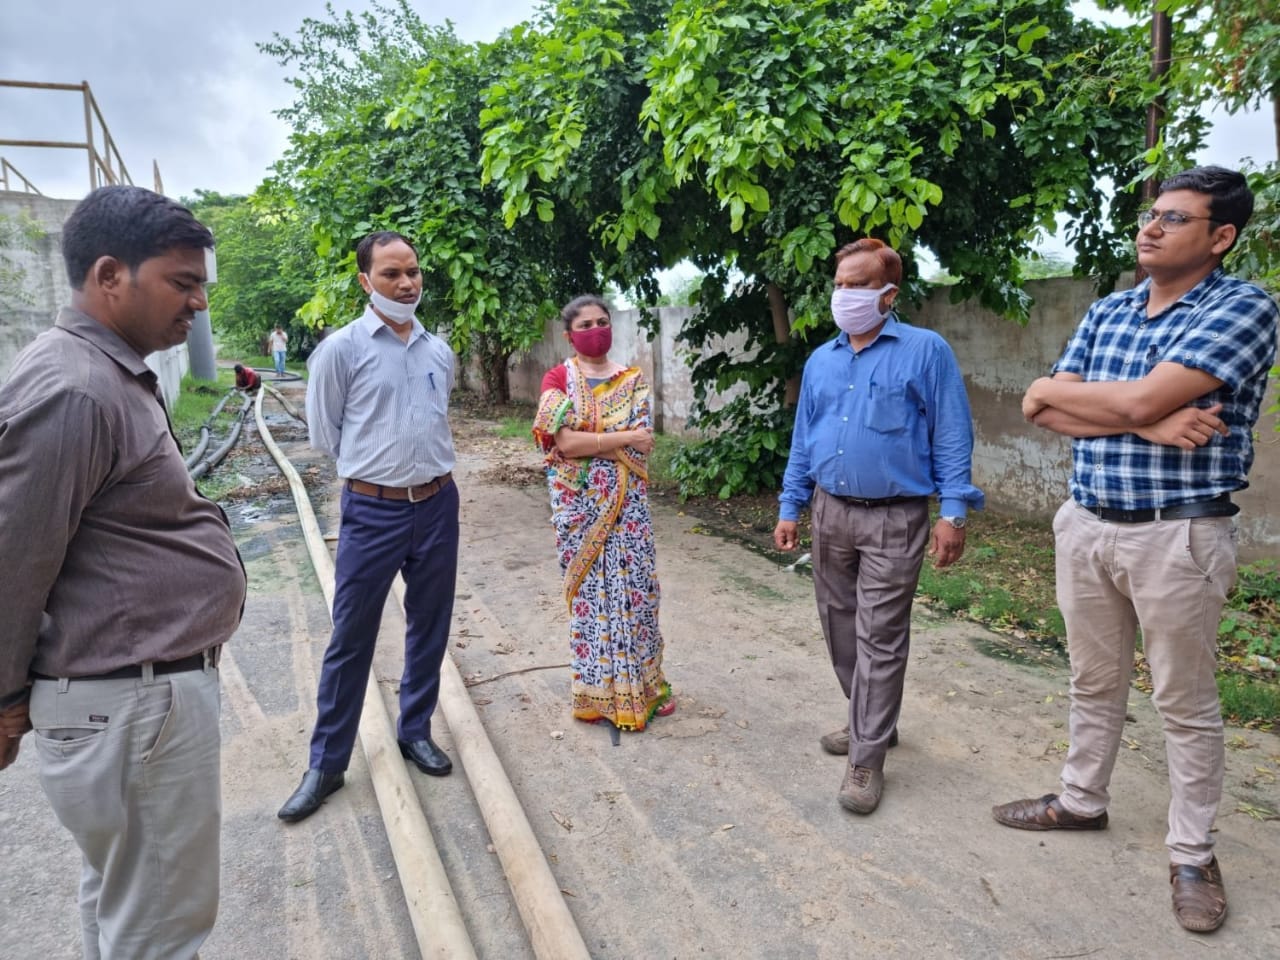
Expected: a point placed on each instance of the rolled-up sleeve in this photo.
(54, 453)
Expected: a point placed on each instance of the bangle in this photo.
(598, 447)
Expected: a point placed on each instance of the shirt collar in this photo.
(82, 325)
(891, 328)
(371, 323)
(1140, 294)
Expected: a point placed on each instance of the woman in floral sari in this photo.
(594, 424)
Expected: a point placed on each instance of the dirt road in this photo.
(713, 834)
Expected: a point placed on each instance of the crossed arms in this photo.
(1155, 407)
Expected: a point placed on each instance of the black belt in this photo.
(882, 502)
(132, 672)
(1219, 506)
(423, 491)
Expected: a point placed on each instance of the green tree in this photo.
(756, 136)
(18, 235)
(401, 152)
(266, 269)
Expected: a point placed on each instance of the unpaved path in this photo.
(713, 834)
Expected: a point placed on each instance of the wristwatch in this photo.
(957, 522)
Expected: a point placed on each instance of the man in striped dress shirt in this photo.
(377, 402)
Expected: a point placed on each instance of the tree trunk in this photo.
(1275, 118)
(493, 371)
(781, 333)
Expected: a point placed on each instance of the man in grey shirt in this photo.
(121, 583)
(377, 402)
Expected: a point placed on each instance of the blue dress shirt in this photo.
(379, 406)
(891, 420)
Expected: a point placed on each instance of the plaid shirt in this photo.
(1223, 326)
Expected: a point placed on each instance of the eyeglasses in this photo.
(1170, 220)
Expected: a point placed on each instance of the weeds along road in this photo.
(716, 832)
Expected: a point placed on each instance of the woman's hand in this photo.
(641, 440)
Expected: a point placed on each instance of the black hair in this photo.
(239, 368)
(570, 310)
(129, 223)
(1230, 199)
(364, 249)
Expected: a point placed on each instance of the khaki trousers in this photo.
(132, 770)
(866, 564)
(1171, 578)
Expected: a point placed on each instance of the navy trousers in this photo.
(378, 539)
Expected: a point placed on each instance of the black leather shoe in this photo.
(306, 800)
(426, 756)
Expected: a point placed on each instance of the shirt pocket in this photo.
(888, 407)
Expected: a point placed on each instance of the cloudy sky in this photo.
(183, 83)
(178, 82)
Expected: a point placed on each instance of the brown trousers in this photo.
(866, 563)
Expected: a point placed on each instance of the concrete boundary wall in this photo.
(1022, 469)
(46, 289)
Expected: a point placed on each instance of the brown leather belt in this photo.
(423, 491)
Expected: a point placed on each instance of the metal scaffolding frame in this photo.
(106, 165)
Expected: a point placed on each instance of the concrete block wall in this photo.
(46, 289)
(1022, 469)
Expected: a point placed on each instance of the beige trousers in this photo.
(1171, 578)
(132, 770)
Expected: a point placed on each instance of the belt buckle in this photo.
(426, 492)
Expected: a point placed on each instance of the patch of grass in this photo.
(665, 447)
(517, 427)
(1249, 701)
(196, 399)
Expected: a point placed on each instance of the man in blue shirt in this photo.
(1159, 388)
(377, 402)
(882, 425)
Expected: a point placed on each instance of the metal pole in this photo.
(1161, 42)
(88, 136)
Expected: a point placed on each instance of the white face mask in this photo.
(857, 310)
(393, 309)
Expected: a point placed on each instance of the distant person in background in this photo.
(882, 425)
(595, 426)
(247, 379)
(121, 583)
(278, 342)
(378, 403)
(1159, 389)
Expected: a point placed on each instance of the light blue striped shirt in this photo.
(379, 406)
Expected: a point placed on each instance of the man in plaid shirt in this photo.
(1159, 388)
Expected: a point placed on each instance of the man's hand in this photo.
(784, 535)
(945, 546)
(1188, 428)
(14, 722)
(1032, 402)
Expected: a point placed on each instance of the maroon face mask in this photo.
(592, 343)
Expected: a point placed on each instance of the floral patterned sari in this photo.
(604, 539)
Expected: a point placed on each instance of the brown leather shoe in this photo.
(837, 742)
(1199, 899)
(861, 789)
(1046, 813)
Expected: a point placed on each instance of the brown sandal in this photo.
(1199, 898)
(1046, 813)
